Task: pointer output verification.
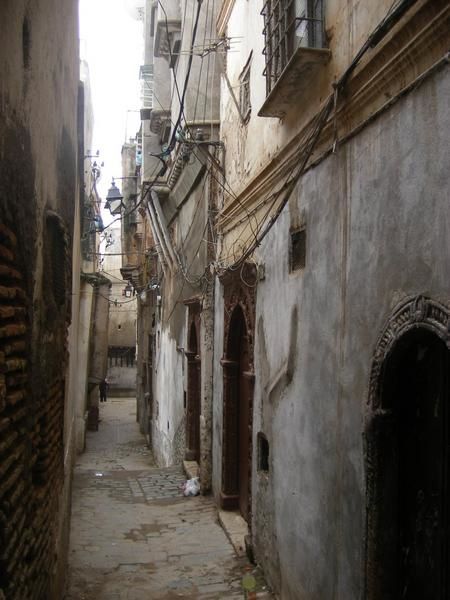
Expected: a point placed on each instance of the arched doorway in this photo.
(408, 467)
(193, 396)
(238, 403)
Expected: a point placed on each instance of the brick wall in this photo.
(31, 439)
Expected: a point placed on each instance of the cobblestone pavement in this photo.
(135, 537)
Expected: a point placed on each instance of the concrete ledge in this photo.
(191, 468)
(235, 528)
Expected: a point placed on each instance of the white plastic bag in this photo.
(191, 487)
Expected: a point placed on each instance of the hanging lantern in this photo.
(114, 200)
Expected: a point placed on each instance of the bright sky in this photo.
(111, 41)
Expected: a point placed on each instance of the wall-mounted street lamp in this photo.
(114, 197)
(128, 291)
(114, 200)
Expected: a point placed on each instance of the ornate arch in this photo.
(239, 288)
(412, 313)
(416, 311)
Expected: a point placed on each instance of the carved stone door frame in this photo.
(238, 374)
(193, 397)
(382, 427)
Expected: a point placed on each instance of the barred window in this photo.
(289, 25)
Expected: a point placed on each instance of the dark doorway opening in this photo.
(193, 395)
(238, 408)
(408, 473)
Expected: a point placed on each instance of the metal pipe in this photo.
(162, 225)
(159, 246)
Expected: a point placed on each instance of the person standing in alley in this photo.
(103, 388)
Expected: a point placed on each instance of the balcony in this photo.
(294, 51)
(295, 78)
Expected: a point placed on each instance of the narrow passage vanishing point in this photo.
(134, 536)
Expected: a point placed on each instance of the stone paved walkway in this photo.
(135, 537)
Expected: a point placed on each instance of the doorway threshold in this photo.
(236, 529)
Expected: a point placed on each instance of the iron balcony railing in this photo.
(288, 25)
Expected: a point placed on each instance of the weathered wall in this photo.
(144, 378)
(376, 218)
(217, 409)
(202, 97)
(189, 210)
(38, 192)
(261, 151)
(169, 419)
(347, 27)
(179, 222)
(122, 317)
(83, 345)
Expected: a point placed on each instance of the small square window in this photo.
(297, 250)
(263, 453)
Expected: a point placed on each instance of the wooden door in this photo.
(237, 434)
(193, 398)
(244, 429)
(417, 393)
(422, 480)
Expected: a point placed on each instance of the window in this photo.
(263, 453)
(146, 77)
(289, 25)
(244, 90)
(297, 250)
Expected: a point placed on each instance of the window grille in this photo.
(146, 77)
(288, 25)
(121, 356)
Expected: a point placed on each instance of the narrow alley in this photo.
(224, 264)
(134, 536)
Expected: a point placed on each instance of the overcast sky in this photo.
(111, 41)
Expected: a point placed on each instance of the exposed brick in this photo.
(9, 273)
(15, 346)
(7, 236)
(6, 254)
(12, 312)
(12, 329)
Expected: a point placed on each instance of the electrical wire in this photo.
(186, 80)
(311, 140)
(394, 14)
(224, 185)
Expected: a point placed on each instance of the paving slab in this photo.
(134, 536)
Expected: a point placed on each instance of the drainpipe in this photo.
(163, 227)
(160, 247)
